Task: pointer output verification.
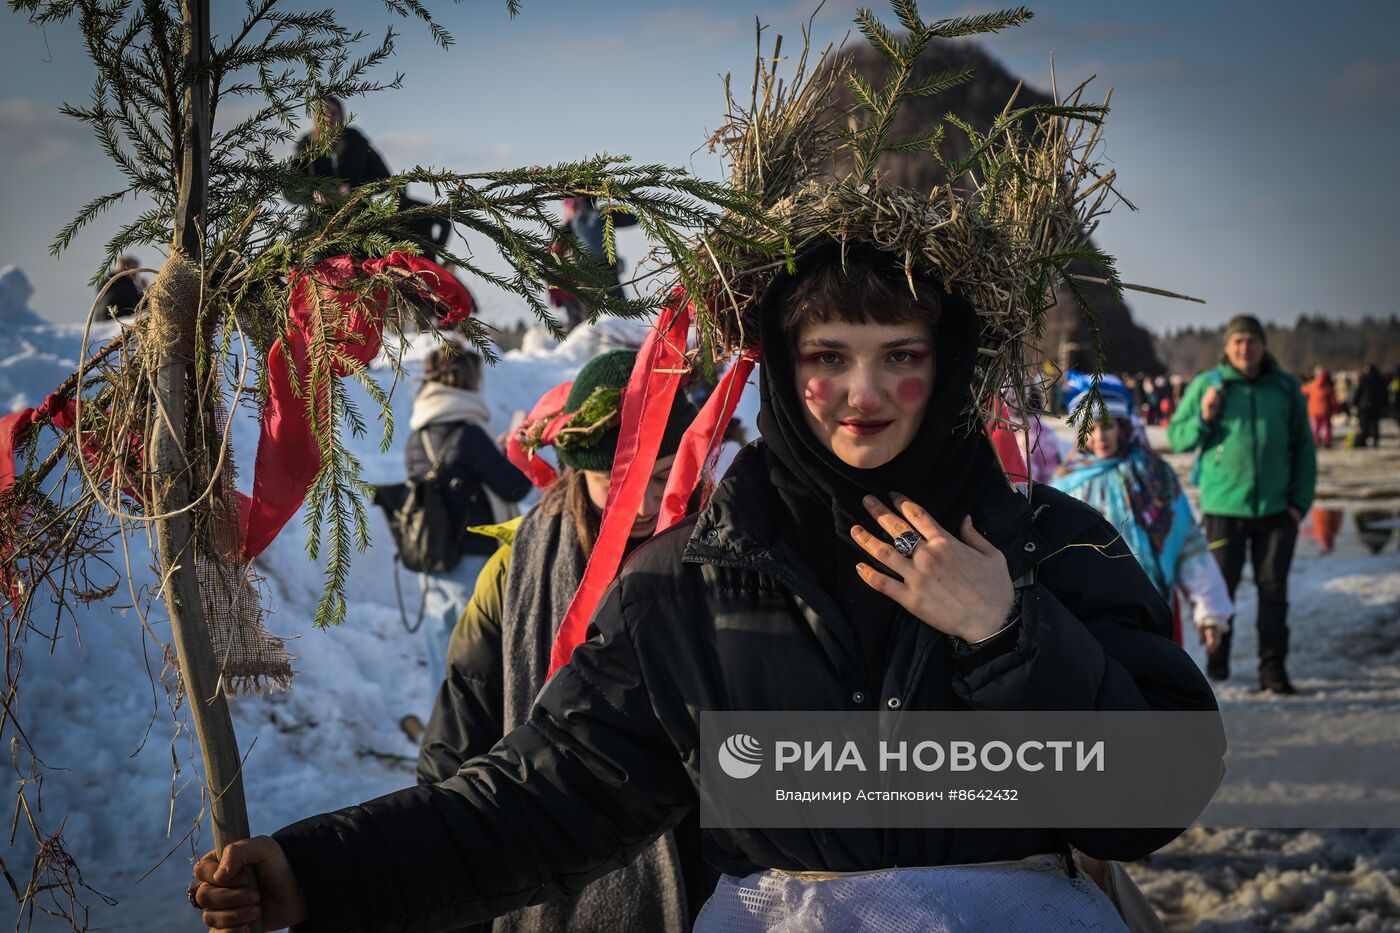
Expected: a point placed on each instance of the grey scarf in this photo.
(647, 896)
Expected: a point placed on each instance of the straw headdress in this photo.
(1001, 231)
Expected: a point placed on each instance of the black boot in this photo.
(1274, 679)
(1218, 661)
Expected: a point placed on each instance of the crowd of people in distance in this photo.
(1363, 398)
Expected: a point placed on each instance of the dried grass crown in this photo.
(1001, 231)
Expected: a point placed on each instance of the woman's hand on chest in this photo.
(959, 585)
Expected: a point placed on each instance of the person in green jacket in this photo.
(1257, 471)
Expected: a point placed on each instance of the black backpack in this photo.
(420, 513)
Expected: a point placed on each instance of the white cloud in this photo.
(33, 136)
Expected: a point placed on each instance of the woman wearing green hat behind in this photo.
(499, 655)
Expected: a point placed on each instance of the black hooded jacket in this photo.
(722, 613)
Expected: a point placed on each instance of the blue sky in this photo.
(1257, 138)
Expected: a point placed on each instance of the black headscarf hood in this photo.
(944, 469)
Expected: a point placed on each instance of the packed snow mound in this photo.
(35, 356)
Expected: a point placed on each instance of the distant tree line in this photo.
(1313, 340)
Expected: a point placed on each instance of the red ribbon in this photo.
(646, 406)
(433, 282)
(16, 432)
(700, 446)
(289, 458)
(1004, 443)
(62, 413)
(547, 408)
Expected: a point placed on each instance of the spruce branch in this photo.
(878, 35)
(878, 108)
(961, 26)
(944, 80)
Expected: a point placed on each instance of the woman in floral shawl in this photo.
(1138, 492)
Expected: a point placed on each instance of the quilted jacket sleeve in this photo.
(580, 789)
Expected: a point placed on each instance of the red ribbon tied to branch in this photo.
(17, 430)
(700, 446)
(547, 413)
(1003, 440)
(289, 458)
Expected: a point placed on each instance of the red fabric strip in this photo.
(701, 443)
(439, 286)
(288, 457)
(16, 431)
(548, 407)
(13, 428)
(1004, 443)
(646, 404)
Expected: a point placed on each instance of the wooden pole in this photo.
(174, 326)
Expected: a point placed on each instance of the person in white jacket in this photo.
(1139, 493)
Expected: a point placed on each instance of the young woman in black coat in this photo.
(785, 593)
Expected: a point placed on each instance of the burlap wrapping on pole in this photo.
(250, 659)
(177, 290)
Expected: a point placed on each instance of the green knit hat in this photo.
(597, 396)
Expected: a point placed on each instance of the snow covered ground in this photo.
(1344, 655)
(94, 709)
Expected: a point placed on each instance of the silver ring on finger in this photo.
(906, 542)
(190, 895)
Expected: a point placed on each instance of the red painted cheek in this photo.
(912, 391)
(818, 391)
